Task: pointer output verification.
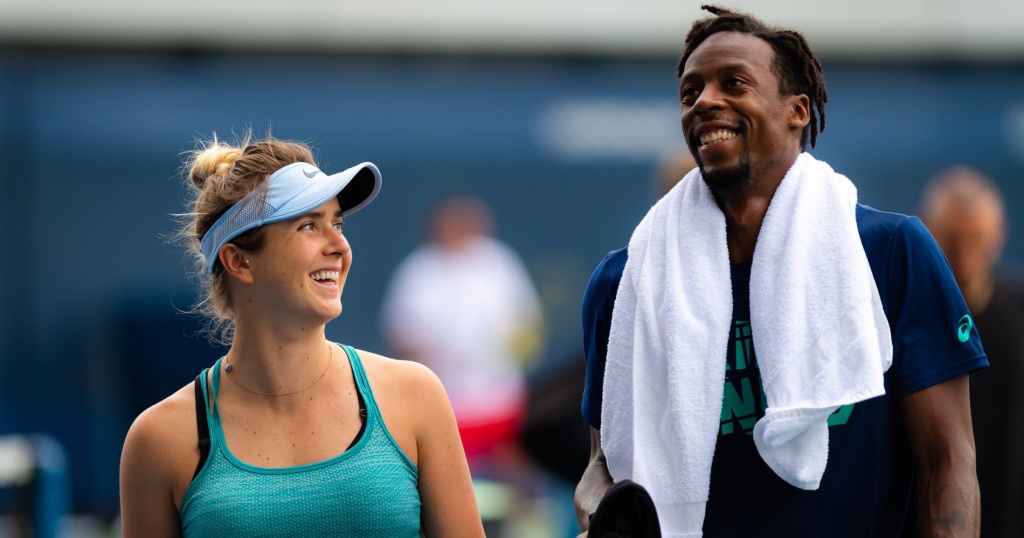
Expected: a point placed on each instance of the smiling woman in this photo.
(310, 437)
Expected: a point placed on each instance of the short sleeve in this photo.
(934, 337)
(598, 301)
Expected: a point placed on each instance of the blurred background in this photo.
(553, 113)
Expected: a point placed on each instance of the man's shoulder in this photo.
(877, 225)
(611, 267)
(876, 228)
(883, 233)
(604, 283)
(878, 231)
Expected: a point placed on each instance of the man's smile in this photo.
(716, 136)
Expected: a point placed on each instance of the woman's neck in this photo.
(270, 362)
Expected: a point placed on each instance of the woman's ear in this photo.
(236, 263)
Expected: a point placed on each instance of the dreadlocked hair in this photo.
(795, 65)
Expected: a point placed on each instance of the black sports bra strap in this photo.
(204, 428)
(362, 413)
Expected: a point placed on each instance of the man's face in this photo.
(734, 120)
(971, 237)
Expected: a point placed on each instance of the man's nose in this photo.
(710, 98)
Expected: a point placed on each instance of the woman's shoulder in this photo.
(157, 464)
(410, 375)
(411, 399)
(164, 432)
(405, 381)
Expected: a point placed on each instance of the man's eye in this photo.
(306, 226)
(338, 226)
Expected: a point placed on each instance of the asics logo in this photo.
(311, 174)
(963, 332)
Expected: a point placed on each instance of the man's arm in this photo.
(598, 302)
(939, 430)
(595, 482)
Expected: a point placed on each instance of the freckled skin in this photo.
(273, 302)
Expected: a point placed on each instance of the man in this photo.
(464, 305)
(878, 462)
(964, 210)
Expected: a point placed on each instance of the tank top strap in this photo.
(205, 388)
(215, 379)
(363, 384)
(208, 426)
(372, 409)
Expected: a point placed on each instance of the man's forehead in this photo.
(731, 50)
(982, 204)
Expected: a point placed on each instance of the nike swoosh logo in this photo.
(309, 174)
(963, 332)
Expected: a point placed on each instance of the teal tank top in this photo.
(368, 491)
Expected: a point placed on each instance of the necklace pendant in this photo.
(227, 367)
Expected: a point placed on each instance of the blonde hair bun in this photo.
(215, 159)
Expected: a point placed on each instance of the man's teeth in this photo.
(326, 275)
(715, 136)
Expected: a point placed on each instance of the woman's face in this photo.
(301, 270)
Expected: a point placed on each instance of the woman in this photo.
(304, 437)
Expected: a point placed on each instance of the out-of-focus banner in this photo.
(874, 29)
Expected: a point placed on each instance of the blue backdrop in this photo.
(563, 149)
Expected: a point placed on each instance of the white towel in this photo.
(817, 322)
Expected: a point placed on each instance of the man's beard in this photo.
(729, 181)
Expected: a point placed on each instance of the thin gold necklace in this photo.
(227, 372)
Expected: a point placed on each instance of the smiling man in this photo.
(768, 357)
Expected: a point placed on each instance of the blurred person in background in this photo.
(671, 168)
(35, 468)
(965, 212)
(305, 437)
(768, 357)
(554, 434)
(463, 304)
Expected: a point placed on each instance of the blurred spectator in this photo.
(36, 466)
(672, 166)
(464, 305)
(555, 435)
(964, 210)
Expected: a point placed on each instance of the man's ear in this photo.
(236, 263)
(800, 111)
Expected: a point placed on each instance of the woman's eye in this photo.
(306, 226)
(338, 226)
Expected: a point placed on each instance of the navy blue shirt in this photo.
(866, 489)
